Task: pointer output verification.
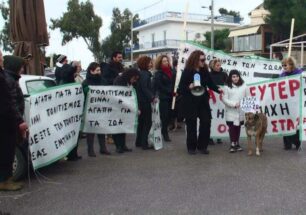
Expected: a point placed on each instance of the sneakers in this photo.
(235, 147)
(238, 147)
(232, 149)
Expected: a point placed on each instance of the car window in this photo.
(38, 85)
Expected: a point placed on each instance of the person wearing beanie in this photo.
(10, 126)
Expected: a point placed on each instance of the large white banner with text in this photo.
(54, 123)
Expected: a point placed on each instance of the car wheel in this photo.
(19, 165)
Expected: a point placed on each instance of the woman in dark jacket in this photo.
(128, 78)
(196, 106)
(219, 78)
(289, 68)
(163, 85)
(145, 97)
(94, 78)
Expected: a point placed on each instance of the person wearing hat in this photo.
(64, 72)
(12, 125)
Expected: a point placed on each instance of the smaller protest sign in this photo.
(110, 110)
(155, 137)
(249, 104)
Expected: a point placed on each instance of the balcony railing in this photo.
(160, 44)
(190, 16)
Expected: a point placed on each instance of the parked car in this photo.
(28, 85)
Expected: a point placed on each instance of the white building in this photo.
(162, 33)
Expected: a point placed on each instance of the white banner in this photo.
(155, 136)
(54, 123)
(303, 108)
(252, 70)
(110, 110)
(279, 100)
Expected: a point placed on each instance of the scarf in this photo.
(167, 71)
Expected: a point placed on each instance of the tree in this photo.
(224, 11)
(80, 21)
(120, 37)
(221, 40)
(4, 33)
(281, 13)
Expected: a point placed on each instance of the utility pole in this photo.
(212, 25)
(132, 40)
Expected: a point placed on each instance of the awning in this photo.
(245, 31)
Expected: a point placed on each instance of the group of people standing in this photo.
(153, 82)
(150, 87)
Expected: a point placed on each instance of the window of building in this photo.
(153, 40)
(247, 43)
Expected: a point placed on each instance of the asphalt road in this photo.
(168, 182)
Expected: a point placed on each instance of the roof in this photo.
(245, 30)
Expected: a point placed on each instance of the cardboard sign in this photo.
(249, 104)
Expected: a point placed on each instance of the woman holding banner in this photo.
(163, 84)
(194, 105)
(145, 97)
(94, 78)
(129, 79)
(219, 78)
(289, 68)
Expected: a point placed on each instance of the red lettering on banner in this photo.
(212, 96)
(290, 125)
(262, 90)
(272, 86)
(281, 89)
(252, 91)
(304, 120)
(274, 126)
(282, 125)
(222, 128)
(293, 86)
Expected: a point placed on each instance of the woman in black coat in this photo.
(163, 85)
(128, 78)
(219, 77)
(145, 98)
(195, 107)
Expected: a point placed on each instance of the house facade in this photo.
(255, 38)
(162, 33)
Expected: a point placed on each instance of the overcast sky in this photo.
(77, 50)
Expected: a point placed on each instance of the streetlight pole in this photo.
(132, 40)
(212, 25)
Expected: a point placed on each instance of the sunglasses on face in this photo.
(202, 60)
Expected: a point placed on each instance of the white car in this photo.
(28, 85)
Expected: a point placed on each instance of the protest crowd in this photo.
(154, 82)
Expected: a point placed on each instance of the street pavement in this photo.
(168, 181)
